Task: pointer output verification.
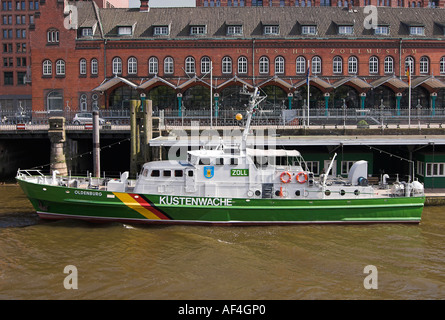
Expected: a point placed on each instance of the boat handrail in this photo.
(28, 172)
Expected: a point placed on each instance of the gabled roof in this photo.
(253, 19)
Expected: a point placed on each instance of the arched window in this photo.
(94, 101)
(300, 64)
(205, 65)
(242, 65)
(373, 64)
(132, 65)
(279, 64)
(52, 36)
(337, 65)
(47, 68)
(60, 68)
(226, 65)
(117, 65)
(442, 65)
(83, 102)
(352, 65)
(168, 65)
(54, 101)
(316, 65)
(424, 64)
(410, 63)
(83, 66)
(264, 64)
(153, 65)
(389, 64)
(190, 65)
(94, 66)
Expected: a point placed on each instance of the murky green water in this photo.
(116, 261)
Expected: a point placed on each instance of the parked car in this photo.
(85, 117)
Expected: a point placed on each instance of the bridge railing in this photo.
(227, 117)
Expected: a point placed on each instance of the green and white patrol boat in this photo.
(226, 185)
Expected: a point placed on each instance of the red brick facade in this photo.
(74, 84)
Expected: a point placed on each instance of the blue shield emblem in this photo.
(209, 172)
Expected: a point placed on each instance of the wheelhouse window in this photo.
(155, 173)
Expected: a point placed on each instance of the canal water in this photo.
(118, 261)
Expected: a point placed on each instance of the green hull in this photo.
(54, 202)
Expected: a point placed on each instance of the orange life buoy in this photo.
(289, 177)
(299, 174)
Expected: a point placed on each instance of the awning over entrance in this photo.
(107, 84)
(234, 80)
(356, 82)
(278, 80)
(316, 81)
(155, 80)
(395, 83)
(431, 83)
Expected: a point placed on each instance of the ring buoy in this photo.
(289, 177)
(301, 174)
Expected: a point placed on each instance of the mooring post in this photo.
(134, 139)
(96, 144)
(57, 137)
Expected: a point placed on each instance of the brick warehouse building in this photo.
(17, 20)
(114, 55)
